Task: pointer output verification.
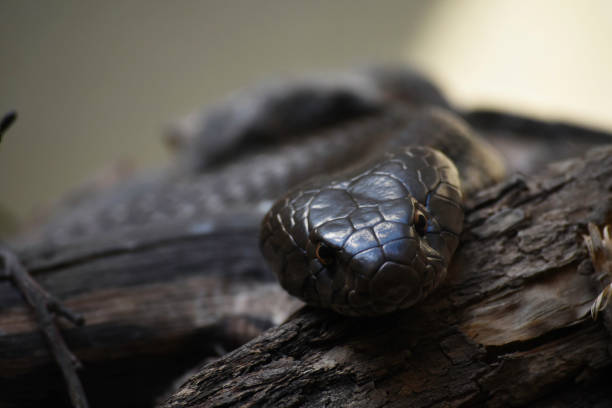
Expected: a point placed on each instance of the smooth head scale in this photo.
(371, 240)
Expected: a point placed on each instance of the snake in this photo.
(387, 163)
(379, 236)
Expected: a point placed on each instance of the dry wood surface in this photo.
(509, 328)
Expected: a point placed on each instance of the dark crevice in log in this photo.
(581, 393)
(43, 257)
(494, 352)
(514, 185)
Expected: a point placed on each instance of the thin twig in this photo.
(45, 306)
(7, 120)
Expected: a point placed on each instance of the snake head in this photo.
(371, 240)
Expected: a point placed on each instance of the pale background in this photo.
(96, 81)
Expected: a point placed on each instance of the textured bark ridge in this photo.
(510, 327)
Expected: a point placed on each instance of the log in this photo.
(510, 327)
(158, 300)
(156, 303)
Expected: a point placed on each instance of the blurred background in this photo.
(96, 82)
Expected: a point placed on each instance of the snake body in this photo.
(380, 235)
(372, 232)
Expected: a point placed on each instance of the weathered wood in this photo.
(159, 300)
(46, 308)
(155, 305)
(510, 326)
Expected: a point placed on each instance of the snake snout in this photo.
(368, 242)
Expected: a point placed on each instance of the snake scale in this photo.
(374, 227)
(380, 235)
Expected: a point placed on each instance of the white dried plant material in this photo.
(602, 301)
(600, 251)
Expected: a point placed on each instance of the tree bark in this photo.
(510, 326)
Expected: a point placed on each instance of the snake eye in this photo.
(420, 222)
(325, 254)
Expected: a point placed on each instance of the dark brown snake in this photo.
(378, 237)
(375, 236)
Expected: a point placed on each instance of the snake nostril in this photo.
(325, 254)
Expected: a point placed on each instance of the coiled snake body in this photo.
(379, 236)
(372, 238)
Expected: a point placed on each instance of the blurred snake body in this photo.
(387, 161)
(379, 236)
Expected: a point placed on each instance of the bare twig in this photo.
(45, 306)
(7, 121)
(600, 251)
